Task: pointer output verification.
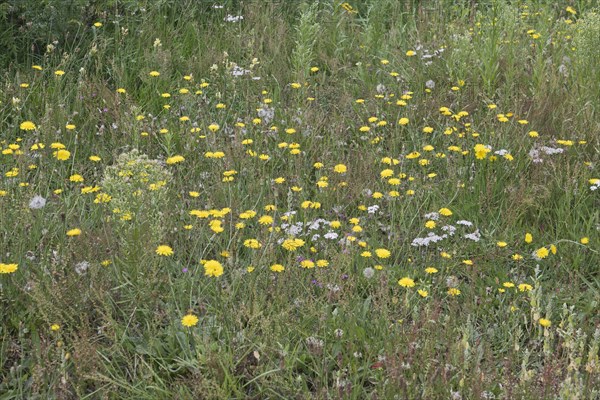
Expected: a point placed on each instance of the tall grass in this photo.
(460, 137)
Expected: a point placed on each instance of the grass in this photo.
(426, 173)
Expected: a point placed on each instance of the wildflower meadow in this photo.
(375, 199)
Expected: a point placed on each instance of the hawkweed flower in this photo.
(164, 250)
(8, 268)
(546, 323)
(277, 268)
(27, 126)
(406, 282)
(189, 320)
(213, 268)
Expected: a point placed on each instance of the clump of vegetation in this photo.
(372, 199)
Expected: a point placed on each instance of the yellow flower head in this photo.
(406, 282)
(164, 250)
(213, 268)
(189, 320)
(546, 323)
(27, 126)
(383, 253)
(74, 232)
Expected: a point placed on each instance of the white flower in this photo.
(37, 202)
(368, 272)
(465, 223)
(449, 228)
(331, 235)
(433, 216)
(475, 236)
(373, 209)
(231, 18)
(82, 267)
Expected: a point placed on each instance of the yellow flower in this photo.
(70, 127)
(382, 253)
(406, 282)
(525, 287)
(340, 168)
(277, 268)
(501, 244)
(265, 220)
(62, 155)
(481, 151)
(322, 263)
(542, 252)
(54, 327)
(74, 232)
(445, 212)
(27, 126)
(545, 322)
(453, 291)
(76, 178)
(431, 270)
(59, 72)
(164, 250)
(213, 268)
(423, 293)
(403, 121)
(292, 244)
(410, 53)
(252, 243)
(307, 264)
(430, 224)
(175, 159)
(528, 238)
(8, 268)
(584, 240)
(154, 73)
(189, 320)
